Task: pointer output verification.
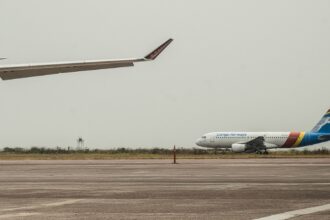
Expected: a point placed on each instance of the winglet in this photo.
(154, 54)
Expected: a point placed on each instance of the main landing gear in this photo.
(262, 152)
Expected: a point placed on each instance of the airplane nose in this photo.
(198, 142)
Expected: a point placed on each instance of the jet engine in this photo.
(238, 148)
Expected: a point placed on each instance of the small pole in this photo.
(174, 155)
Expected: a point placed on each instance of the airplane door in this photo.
(212, 139)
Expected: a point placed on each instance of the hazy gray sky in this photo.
(234, 65)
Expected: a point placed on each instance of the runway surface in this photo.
(157, 189)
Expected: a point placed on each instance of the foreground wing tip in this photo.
(154, 54)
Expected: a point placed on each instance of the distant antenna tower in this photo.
(80, 143)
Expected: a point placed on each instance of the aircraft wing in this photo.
(255, 145)
(259, 141)
(23, 71)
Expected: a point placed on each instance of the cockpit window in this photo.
(203, 137)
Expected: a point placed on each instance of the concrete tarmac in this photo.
(157, 189)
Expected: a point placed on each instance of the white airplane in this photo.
(8, 72)
(260, 142)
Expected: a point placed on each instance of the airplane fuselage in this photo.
(271, 139)
(261, 141)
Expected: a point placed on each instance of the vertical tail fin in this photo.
(324, 124)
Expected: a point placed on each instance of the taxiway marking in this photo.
(295, 213)
(24, 214)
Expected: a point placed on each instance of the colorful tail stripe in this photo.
(299, 140)
(294, 139)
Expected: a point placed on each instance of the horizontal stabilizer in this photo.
(324, 137)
